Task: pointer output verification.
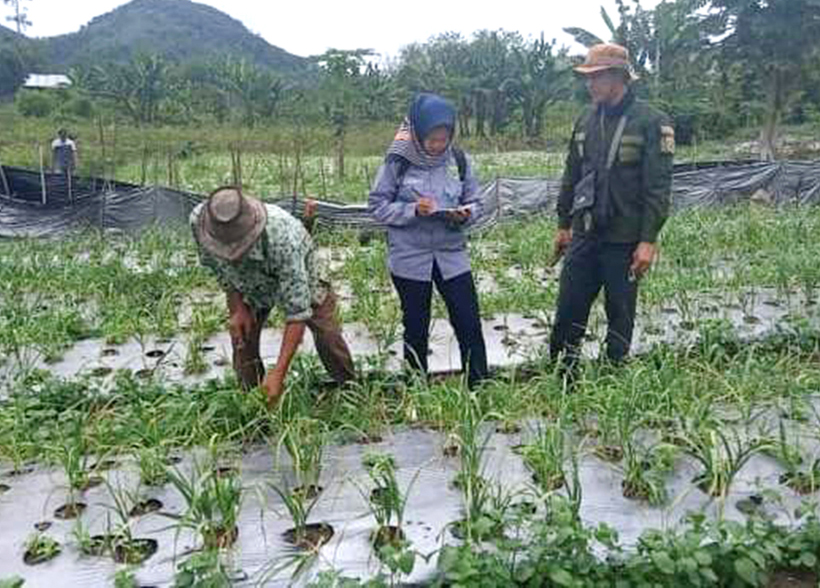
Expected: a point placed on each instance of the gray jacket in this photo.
(415, 242)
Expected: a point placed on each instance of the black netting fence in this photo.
(39, 205)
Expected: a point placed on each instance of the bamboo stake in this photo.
(6, 189)
(42, 175)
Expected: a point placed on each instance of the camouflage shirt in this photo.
(278, 271)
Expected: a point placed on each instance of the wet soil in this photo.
(70, 511)
(145, 507)
(43, 526)
(135, 551)
(311, 538)
(793, 579)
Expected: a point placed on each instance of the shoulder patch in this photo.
(667, 140)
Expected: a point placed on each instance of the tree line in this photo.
(714, 65)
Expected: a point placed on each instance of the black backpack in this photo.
(404, 165)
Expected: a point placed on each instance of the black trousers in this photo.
(590, 265)
(461, 299)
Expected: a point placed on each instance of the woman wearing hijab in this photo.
(426, 195)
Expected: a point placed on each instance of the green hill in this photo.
(180, 30)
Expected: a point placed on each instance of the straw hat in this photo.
(606, 56)
(230, 223)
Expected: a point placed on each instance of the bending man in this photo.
(264, 258)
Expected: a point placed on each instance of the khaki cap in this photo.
(606, 56)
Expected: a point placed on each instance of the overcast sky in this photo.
(309, 27)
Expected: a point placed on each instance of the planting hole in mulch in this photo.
(312, 537)
(222, 472)
(610, 453)
(43, 550)
(508, 428)
(110, 352)
(105, 465)
(635, 490)
(501, 328)
(207, 348)
(379, 495)
(43, 526)
(369, 439)
(173, 460)
(753, 505)
(155, 354)
(750, 319)
(450, 450)
(793, 579)
(4, 488)
(801, 482)
(98, 544)
(101, 372)
(308, 492)
(70, 511)
(134, 552)
(91, 482)
(554, 482)
(525, 507)
(220, 538)
(145, 507)
(144, 374)
(669, 310)
(20, 472)
(222, 362)
(387, 535)
(687, 325)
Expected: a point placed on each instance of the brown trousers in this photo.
(327, 335)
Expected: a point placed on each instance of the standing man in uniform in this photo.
(264, 258)
(614, 200)
(63, 154)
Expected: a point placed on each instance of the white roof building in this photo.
(47, 81)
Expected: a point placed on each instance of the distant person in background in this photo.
(614, 199)
(264, 259)
(63, 154)
(427, 195)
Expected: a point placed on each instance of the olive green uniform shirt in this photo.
(640, 181)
